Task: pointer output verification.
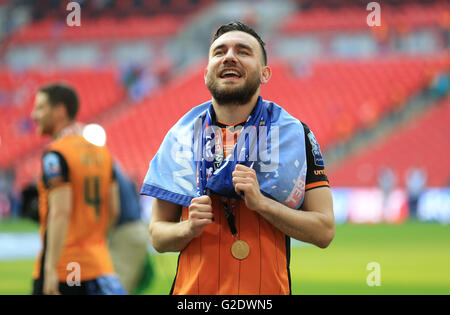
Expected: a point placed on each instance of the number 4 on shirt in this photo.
(92, 193)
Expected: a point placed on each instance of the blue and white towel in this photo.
(272, 142)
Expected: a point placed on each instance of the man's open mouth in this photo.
(230, 73)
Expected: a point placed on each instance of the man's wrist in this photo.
(264, 205)
(186, 231)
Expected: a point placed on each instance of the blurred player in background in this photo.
(127, 240)
(78, 202)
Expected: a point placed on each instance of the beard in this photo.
(44, 128)
(232, 94)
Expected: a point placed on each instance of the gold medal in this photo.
(240, 250)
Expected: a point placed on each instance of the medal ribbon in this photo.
(231, 218)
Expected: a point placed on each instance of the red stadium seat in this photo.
(424, 143)
(98, 90)
(354, 19)
(336, 99)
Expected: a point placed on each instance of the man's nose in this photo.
(33, 115)
(230, 56)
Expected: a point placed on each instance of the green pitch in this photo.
(413, 258)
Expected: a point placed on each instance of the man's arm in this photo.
(313, 225)
(168, 234)
(114, 205)
(60, 207)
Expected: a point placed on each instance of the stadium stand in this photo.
(333, 91)
(136, 135)
(352, 18)
(98, 91)
(337, 96)
(423, 143)
(118, 8)
(98, 29)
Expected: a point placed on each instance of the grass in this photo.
(414, 258)
(15, 277)
(18, 225)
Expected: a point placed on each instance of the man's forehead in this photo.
(235, 37)
(41, 98)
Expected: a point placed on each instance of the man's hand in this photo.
(200, 215)
(51, 282)
(246, 184)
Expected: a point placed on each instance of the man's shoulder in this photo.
(66, 140)
(280, 116)
(74, 145)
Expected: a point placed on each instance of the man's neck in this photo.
(59, 128)
(231, 114)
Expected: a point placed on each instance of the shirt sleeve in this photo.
(55, 170)
(315, 176)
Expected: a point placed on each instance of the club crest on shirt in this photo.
(318, 159)
(51, 165)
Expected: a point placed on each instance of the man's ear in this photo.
(205, 73)
(61, 112)
(266, 74)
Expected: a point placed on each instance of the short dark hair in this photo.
(239, 26)
(62, 94)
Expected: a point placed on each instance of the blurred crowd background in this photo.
(376, 97)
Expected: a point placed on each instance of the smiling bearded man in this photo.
(230, 92)
(231, 212)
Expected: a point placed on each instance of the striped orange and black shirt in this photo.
(206, 265)
(88, 169)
